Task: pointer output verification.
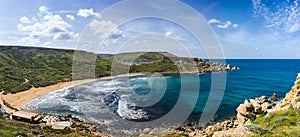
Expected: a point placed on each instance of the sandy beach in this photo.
(18, 99)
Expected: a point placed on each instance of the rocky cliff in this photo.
(292, 98)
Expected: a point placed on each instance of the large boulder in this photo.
(241, 119)
(245, 108)
(228, 67)
(262, 99)
(265, 106)
(257, 108)
(234, 68)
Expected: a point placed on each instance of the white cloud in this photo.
(33, 19)
(101, 31)
(21, 27)
(70, 17)
(64, 12)
(86, 13)
(235, 26)
(24, 20)
(168, 34)
(43, 9)
(13, 37)
(222, 25)
(48, 27)
(212, 21)
(279, 15)
(47, 43)
(294, 28)
(117, 34)
(106, 29)
(65, 36)
(1, 43)
(29, 41)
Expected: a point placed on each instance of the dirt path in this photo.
(26, 81)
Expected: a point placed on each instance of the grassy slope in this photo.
(13, 128)
(44, 67)
(281, 123)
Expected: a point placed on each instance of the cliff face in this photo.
(292, 98)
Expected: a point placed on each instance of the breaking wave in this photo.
(104, 101)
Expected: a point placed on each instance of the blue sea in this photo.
(150, 100)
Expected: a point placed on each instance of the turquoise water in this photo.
(256, 78)
(112, 100)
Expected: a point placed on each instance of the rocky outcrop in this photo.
(205, 66)
(295, 95)
(292, 98)
(250, 109)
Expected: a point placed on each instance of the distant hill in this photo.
(24, 67)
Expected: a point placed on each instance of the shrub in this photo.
(298, 94)
(20, 88)
(257, 129)
(279, 122)
(251, 116)
(1, 116)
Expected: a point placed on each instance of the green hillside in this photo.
(24, 67)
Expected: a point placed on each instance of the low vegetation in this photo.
(281, 123)
(24, 67)
(14, 128)
(43, 67)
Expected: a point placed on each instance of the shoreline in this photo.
(20, 98)
(17, 100)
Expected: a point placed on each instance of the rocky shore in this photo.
(241, 124)
(202, 65)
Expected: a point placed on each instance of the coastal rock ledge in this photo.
(250, 109)
(292, 98)
(241, 125)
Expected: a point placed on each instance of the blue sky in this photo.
(245, 28)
